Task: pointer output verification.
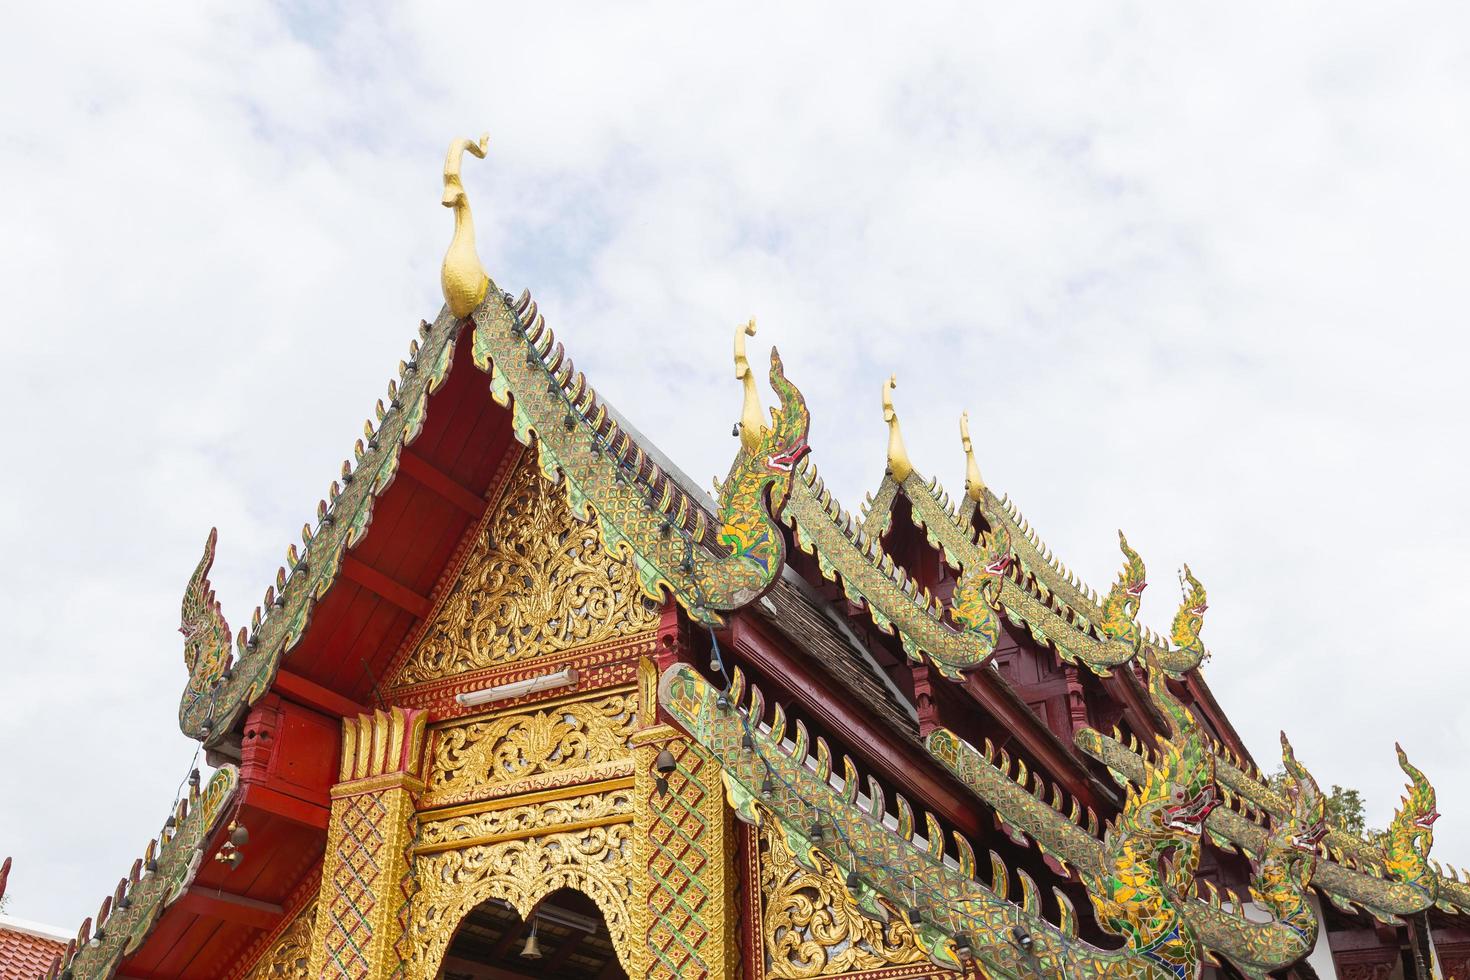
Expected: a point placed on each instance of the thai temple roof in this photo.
(950, 586)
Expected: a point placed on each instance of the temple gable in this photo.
(536, 581)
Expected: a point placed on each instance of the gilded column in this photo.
(683, 912)
(365, 874)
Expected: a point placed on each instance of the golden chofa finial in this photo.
(751, 419)
(899, 465)
(462, 277)
(974, 486)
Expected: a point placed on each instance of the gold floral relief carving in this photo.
(810, 927)
(518, 819)
(471, 759)
(593, 860)
(537, 581)
(289, 957)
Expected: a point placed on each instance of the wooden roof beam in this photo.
(385, 588)
(226, 907)
(427, 475)
(285, 806)
(1063, 763)
(312, 695)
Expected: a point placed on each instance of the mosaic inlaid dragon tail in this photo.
(1410, 835)
(1120, 605)
(207, 647)
(1256, 948)
(973, 605)
(1187, 650)
(1284, 875)
(758, 483)
(953, 637)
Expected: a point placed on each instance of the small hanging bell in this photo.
(532, 949)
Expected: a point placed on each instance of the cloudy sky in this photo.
(1195, 275)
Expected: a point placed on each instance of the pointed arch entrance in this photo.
(572, 942)
(571, 841)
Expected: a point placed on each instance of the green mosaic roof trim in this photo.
(1020, 797)
(1041, 595)
(1368, 870)
(156, 881)
(639, 510)
(870, 578)
(225, 679)
(898, 869)
(1351, 873)
(1281, 885)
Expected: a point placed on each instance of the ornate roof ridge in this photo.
(156, 880)
(225, 678)
(640, 512)
(1351, 871)
(1042, 594)
(774, 770)
(787, 775)
(870, 577)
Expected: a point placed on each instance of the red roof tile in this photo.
(24, 955)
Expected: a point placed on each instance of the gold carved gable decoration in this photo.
(537, 581)
(811, 928)
(288, 956)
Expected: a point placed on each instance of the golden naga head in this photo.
(974, 484)
(462, 277)
(899, 465)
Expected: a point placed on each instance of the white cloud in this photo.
(1197, 274)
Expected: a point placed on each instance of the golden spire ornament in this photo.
(899, 465)
(462, 276)
(974, 485)
(752, 422)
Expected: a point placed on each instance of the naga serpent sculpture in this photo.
(774, 773)
(1189, 620)
(1140, 880)
(759, 479)
(1040, 594)
(1120, 606)
(1410, 835)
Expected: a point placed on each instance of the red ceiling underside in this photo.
(355, 632)
(348, 647)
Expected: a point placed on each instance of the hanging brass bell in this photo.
(532, 949)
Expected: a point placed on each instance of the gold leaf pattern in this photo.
(593, 860)
(472, 757)
(810, 927)
(525, 817)
(290, 955)
(538, 581)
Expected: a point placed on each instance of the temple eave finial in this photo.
(752, 422)
(899, 464)
(974, 484)
(462, 277)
